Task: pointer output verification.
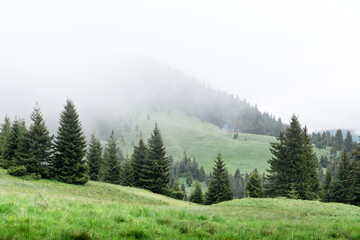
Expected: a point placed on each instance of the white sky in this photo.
(287, 57)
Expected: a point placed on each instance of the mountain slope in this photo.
(50, 210)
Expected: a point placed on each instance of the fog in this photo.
(287, 58)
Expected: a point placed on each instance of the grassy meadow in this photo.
(43, 209)
(202, 141)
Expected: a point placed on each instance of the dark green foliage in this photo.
(348, 142)
(158, 167)
(339, 140)
(5, 130)
(321, 174)
(254, 187)
(127, 172)
(197, 195)
(70, 144)
(326, 195)
(238, 185)
(354, 197)
(40, 145)
(189, 179)
(17, 171)
(341, 185)
(293, 164)
(94, 158)
(11, 145)
(189, 169)
(140, 164)
(110, 169)
(176, 192)
(219, 185)
(324, 161)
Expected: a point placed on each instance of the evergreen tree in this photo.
(110, 169)
(326, 195)
(177, 193)
(40, 144)
(293, 164)
(70, 145)
(339, 139)
(354, 197)
(254, 187)
(159, 166)
(341, 185)
(321, 174)
(348, 142)
(189, 179)
(5, 130)
(219, 185)
(127, 172)
(11, 146)
(197, 195)
(94, 158)
(238, 185)
(140, 164)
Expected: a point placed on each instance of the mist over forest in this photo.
(106, 94)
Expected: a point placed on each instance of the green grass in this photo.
(203, 141)
(45, 209)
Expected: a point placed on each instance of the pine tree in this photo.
(94, 158)
(238, 185)
(40, 144)
(5, 130)
(326, 195)
(127, 172)
(219, 185)
(177, 193)
(197, 195)
(110, 169)
(339, 139)
(70, 145)
(140, 164)
(348, 142)
(341, 185)
(293, 164)
(354, 197)
(254, 187)
(11, 145)
(159, 172)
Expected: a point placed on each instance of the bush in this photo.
(17, 171)
(177, 195)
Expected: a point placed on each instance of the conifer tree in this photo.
(70, 145)
(219, 185)
(326, 195)
(127, 172)
(159, 166)
(354, 197)
(5, 130)
(293, 165)
(254, 187)
(197, 195)
(339, 139)
(341, 186)
(11, 145)
(348, 142)
(238, 185)
(177, 193)
(110, 169)
(140, 164)
(94, 158)
(40, 144)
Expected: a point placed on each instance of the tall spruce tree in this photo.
(219, 185)
(326, 194)
(158, 167)
(348, 142)
(41, 145)
(5, 129)
(197, 195)
(354, 197)
(254, 187)
(127, 172)
(293, 166)
(11, 146)
(339, 139)
(110, 169)
(70, 145)
(94, 158)
(140, 164)
(341, 185)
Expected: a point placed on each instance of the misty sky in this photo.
(287, 57)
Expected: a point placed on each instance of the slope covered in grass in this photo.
(50, 210)
(202, 141)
